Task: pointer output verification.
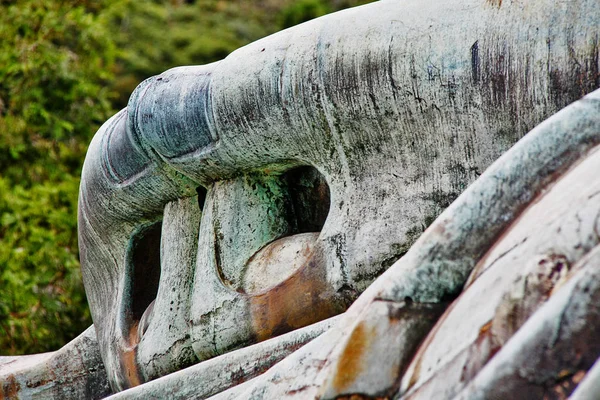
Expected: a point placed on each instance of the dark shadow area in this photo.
(201, 191)
(309, 199)
(145, 259)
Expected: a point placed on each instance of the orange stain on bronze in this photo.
(350, 364)
(128, 358)
(302, 299)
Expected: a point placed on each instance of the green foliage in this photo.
(302, 11)
(43, 304)
(56, 60)
(305, 10)
(154, 36)
(65, 67)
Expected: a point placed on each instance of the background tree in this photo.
(56, 60)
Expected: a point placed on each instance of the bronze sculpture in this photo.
(237, 201)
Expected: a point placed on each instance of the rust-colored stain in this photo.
(302, 299)
(130, 367)
(294, 392)
(10, 388)
(49, 376)
(349, 365)
(398, 333)
(40, 382)
(131, 375)
(480, 352)
(563, 373)
(567, 381)
(578, 377)
(486, 327)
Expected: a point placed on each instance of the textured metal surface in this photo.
(73, 372)
(398, 105)
(342, 139)
(527, 189)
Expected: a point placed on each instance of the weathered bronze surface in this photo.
(304, 175)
